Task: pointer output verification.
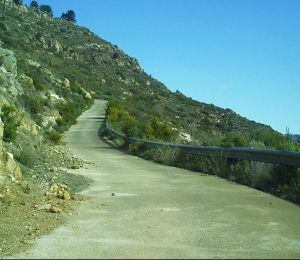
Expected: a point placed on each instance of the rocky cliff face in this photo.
(9, 169)
(8, 73)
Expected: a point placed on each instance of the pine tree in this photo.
(18, 2)
(34, 5)
(47, 9)
(69, 16)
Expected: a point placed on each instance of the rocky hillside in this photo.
(51, 69)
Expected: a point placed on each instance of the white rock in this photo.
(185, 136)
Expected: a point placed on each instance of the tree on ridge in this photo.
(69, 16)
(47, 9)
(34, 5)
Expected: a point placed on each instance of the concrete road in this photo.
(165, 212)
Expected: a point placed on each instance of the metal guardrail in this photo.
(242, 153)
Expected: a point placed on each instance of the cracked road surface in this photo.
(164, 212)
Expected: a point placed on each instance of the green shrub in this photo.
(291, 191)
(39, 84)
(156, 129)
(33, 104)
(38, 119)
(3, 27)
(28, 83)
(69, 113)
(54, 136)
(11, 122)
(263, 182)
(129, 125)
(283, 174)
(269, 137)
(116, 56)
(26, 156)
(135, 148)
(204, 164)
(257, 144)
(289, 145)
(39, 79)
(234, 139)
(239, 172)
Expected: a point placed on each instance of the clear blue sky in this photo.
(238, 54)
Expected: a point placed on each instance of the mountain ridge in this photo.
(104, 68)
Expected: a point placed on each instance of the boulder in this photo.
(66, 196)
(34, 63)
(55, 209)
(66, 83)
(88, 95)
(185, 137)
(28, 126)
(7, 162)
(8, 73)
(55, 188)
(11, 166)
(54, 97)
(49, 122)
(56, 46)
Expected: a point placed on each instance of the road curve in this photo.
(165, 212)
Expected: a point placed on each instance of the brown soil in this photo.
(26, 210)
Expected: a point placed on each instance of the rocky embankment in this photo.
(35, 202)
(10, 171)
(36, 189)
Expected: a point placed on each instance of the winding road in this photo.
(164, 212)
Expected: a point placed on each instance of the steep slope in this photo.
(58, 60)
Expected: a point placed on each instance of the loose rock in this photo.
(55, 209)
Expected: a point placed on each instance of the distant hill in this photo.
(295, 138)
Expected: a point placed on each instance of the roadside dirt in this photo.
(41, 200)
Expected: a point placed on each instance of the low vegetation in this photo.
(54, 136)
(125, 116)
(280, 180)
(154, 128)
(11, 122)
